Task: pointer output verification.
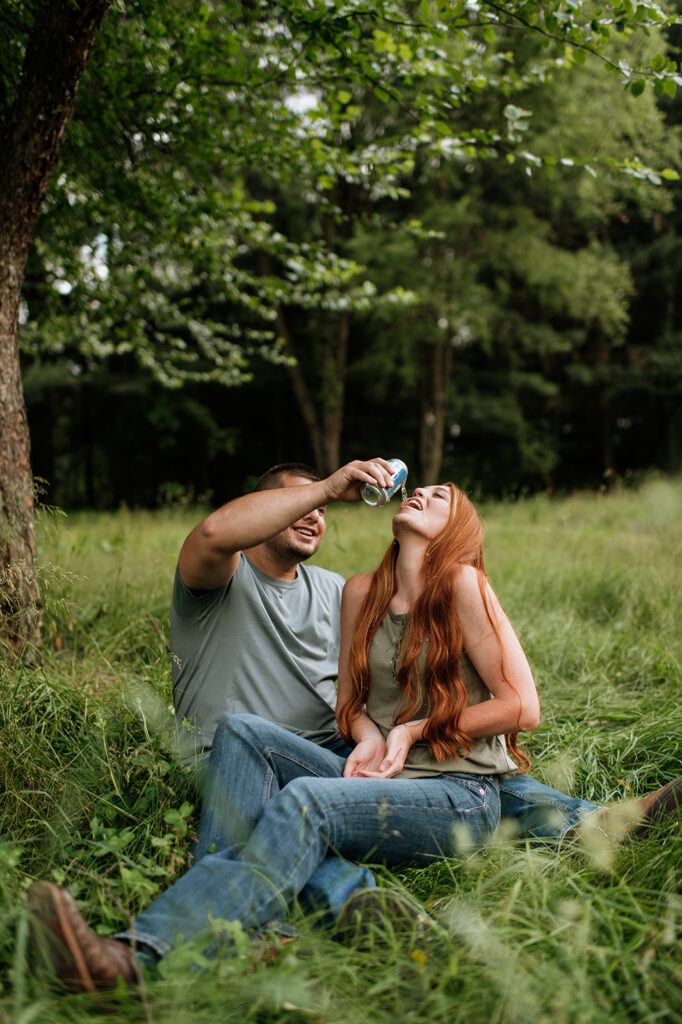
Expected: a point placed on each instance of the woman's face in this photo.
(426, 513)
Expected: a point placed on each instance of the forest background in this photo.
(325, 232)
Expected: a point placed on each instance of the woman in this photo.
(431, 680)
(431, 673)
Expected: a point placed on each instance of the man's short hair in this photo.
(273, 477)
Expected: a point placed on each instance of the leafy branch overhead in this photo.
(193, 119)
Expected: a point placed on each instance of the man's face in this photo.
(303, 538)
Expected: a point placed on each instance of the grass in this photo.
(93, 796)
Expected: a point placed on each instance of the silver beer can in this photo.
(376, 496)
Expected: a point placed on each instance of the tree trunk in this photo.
(603, 359)
(333, 395)
(298, 383)
(302, 393)
(56, 52)
(434, 410)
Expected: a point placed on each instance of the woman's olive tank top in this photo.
(488, 756)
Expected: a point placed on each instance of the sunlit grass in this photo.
(94, 798)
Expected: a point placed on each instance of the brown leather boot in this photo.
(82, 960)
(666, 800)
(631, 817)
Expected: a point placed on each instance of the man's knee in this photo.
(303, 795)
(243, 725)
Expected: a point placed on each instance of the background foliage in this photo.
(326, 230)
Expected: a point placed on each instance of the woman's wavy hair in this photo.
(434, 615)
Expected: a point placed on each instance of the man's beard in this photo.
(288, 550)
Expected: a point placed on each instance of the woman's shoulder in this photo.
(473, 596)
(469, 585)
(357, 586)
(354, 593)
(466, 579)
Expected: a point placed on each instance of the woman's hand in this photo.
(367, 757)
(398, 743)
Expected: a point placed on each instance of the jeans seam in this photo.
(409, 807)
(294, 760)
(532, 802)
(547, 803)
(269, 776)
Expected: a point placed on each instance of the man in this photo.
(256, 631)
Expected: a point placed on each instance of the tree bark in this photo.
(56, 53)
(603, 360)
(334, 389)
(434, 410)
(302, 393)
(298, 382)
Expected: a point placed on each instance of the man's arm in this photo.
(210, 555)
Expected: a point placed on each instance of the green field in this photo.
(93, 797)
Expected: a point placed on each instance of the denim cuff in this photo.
(143, 944)
(136, 939)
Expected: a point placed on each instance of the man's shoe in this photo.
(377, 915)
(82, 960)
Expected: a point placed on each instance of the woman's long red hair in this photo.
(434, 615)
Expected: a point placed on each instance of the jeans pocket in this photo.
(478, 803)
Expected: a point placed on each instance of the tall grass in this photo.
(94, 798)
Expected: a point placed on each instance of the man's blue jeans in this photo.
(275, 835)
(335, 878)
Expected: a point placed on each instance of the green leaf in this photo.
(669, 174)
(638, 87)
(343, 96)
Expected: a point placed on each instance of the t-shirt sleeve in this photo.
(192, 604)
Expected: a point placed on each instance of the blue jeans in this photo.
(274, 838)
(539, 812)
(270, 769)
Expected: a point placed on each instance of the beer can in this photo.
(375, 496)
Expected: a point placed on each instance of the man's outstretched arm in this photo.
(210, 554)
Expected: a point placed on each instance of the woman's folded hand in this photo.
(398, 743)
(367, 757)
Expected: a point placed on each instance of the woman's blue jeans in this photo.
(538, 812)
(284, 806)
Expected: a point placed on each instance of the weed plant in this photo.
(94, 797)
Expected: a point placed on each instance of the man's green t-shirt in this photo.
(260, 645)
